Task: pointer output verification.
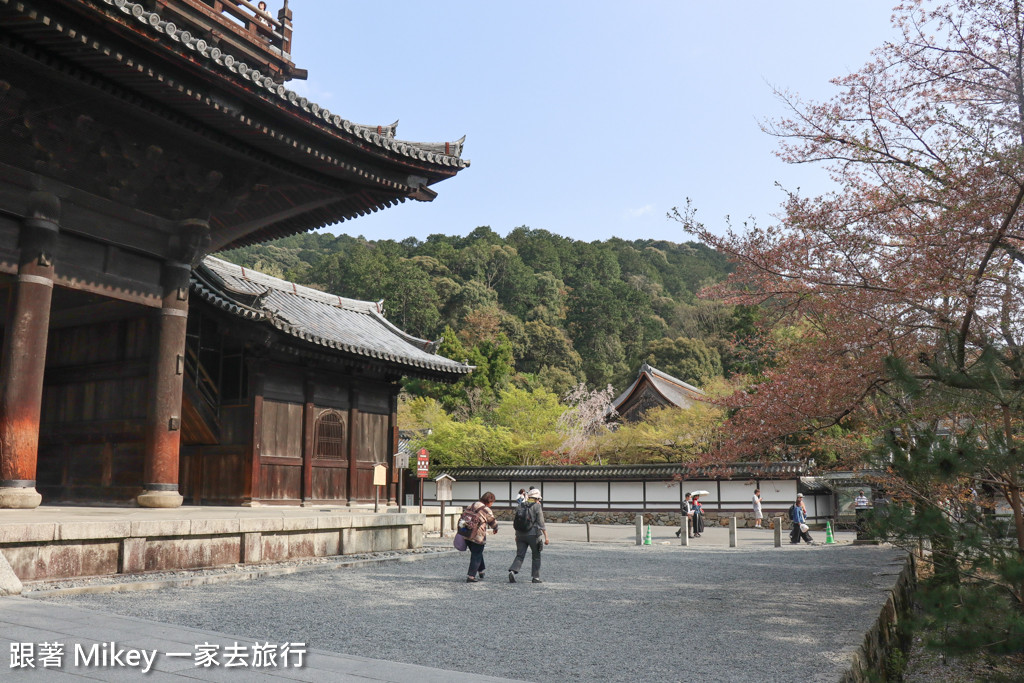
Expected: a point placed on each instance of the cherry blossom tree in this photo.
(896, 301)
(584, 422)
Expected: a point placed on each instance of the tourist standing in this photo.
(521, 498)
(478, 536)
(530, 538)
(698, 516)
(860, 506)
(687, 511)
(263, 13)
(758, 515)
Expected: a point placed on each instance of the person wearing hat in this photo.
(530, 538)
(798, 515)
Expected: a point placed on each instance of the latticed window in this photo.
(330, 437)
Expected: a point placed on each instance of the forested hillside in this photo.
(561, 311)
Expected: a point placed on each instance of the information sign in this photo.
(422, 463)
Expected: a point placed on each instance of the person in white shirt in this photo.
(860, 505)
(758, 515)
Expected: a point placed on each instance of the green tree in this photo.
(531, 417)
(688, 359)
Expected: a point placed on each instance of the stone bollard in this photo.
(732, 532)
(684, 535)
(588, 532)
(639, 529)
(778, 532)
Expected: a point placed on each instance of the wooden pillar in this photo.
(167, 370)
(251, 493)
(24, 353)
(308, 442)
(353, 446)
(392, 449)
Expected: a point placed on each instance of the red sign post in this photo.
(422, 471)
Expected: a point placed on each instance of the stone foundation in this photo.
(888, 634)
(57, 550)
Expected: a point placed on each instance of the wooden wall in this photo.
(289, 433)
(215, 474)
(91, 436)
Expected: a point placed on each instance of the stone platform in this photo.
(53, 542)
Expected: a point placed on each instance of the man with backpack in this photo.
(529, 526)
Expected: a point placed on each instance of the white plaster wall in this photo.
(663, 492)
(623, 491)
(592, 492)
(558, 493)
(702, 485)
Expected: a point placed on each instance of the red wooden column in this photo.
(308, 441)
(167, 370)
(24, 353)
(353, 447)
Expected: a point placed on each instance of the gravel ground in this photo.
(606, 612)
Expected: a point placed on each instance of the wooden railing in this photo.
(252, 34)
(204, 383)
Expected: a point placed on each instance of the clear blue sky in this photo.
(590, 119)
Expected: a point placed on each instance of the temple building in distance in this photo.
(136, 138)
(653, 388)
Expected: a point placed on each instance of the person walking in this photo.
(758, 514)
(530, 537)
(799, 519)
(478, 536)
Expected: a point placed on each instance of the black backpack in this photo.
(792, 509)
(523, 521)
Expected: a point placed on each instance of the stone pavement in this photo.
(592, 597)
(79, 630)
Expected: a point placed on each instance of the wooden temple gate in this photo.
(137, 138)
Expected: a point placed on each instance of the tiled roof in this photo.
(229, 66)
(317, 168)
(675, 391)
(736, 470)
(333, 322)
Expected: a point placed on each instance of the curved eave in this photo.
(413, 365)
(273, 119)
(634, 388)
